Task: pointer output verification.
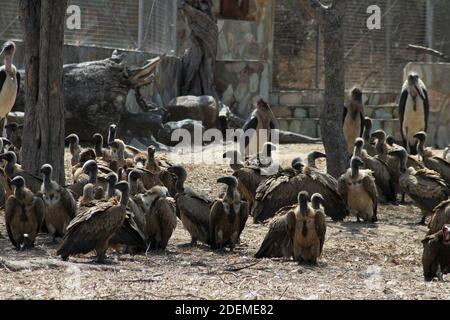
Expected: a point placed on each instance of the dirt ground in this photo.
(360, 261)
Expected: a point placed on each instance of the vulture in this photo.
(310, 229)
(227, 216)
(130, 233)
(257, 129)
(368, 145)
(425, 187)
(100, 152)
(353, 118)
(192, 208)
(88, 196)
(249, 176)
(12, 169)
(436, 254)
(14, 136)
(156, 170)
(279, 238)
(9, 81)
(24, 213)
(357, 187)
(135, 182)
(94, 226)
(437, 164)
(128, 151)
(380, 170)
(446, 154)
(89, 175)
(59, 203)
(160, 217)
(440, 217)
(393, 163)
(383, 148)
(282, 188)
(74, 147)
(414, 108)
(118, 154)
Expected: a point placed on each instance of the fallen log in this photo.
(95, 94)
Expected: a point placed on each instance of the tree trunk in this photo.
(200, 57)
(331, 22)
(43, 141)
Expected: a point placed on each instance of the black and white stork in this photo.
(9, 81)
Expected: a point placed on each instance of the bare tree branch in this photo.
(429, 51)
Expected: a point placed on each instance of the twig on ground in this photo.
(242, 268)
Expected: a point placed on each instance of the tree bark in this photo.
(331, 22)
(43, 141)
(200, 58)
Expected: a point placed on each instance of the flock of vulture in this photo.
(129, 200)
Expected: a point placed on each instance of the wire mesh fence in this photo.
(148, 25)
(374, 58)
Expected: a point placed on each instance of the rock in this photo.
(300, 113)
(202, 108)
(290, 99)
(192, 126)
(443, 136)
(16, 116)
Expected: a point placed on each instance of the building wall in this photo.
(244, 58)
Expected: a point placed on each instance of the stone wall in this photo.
(244, 57)
(436, 77)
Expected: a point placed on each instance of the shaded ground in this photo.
(360, 261)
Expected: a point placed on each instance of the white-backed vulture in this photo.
(368, 145)
(436, 254)
(129, 151)
(446, 154)
(393, 163)
(192, 208)
(12, 169)
(59, 203)
(425, 187)
(437, 164)
(440, 217)
(74, 147)
(353, 119)
(357, 187)
(249, 176)
(157, 170)
(118, 154)
(278, 240)
(130, 234)
(282, 188)
(89, 175)
(310, 229)
(227, 216)
(380, 170)
(24, 213)
(160, 217)
(94, 226)
(100, 152)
